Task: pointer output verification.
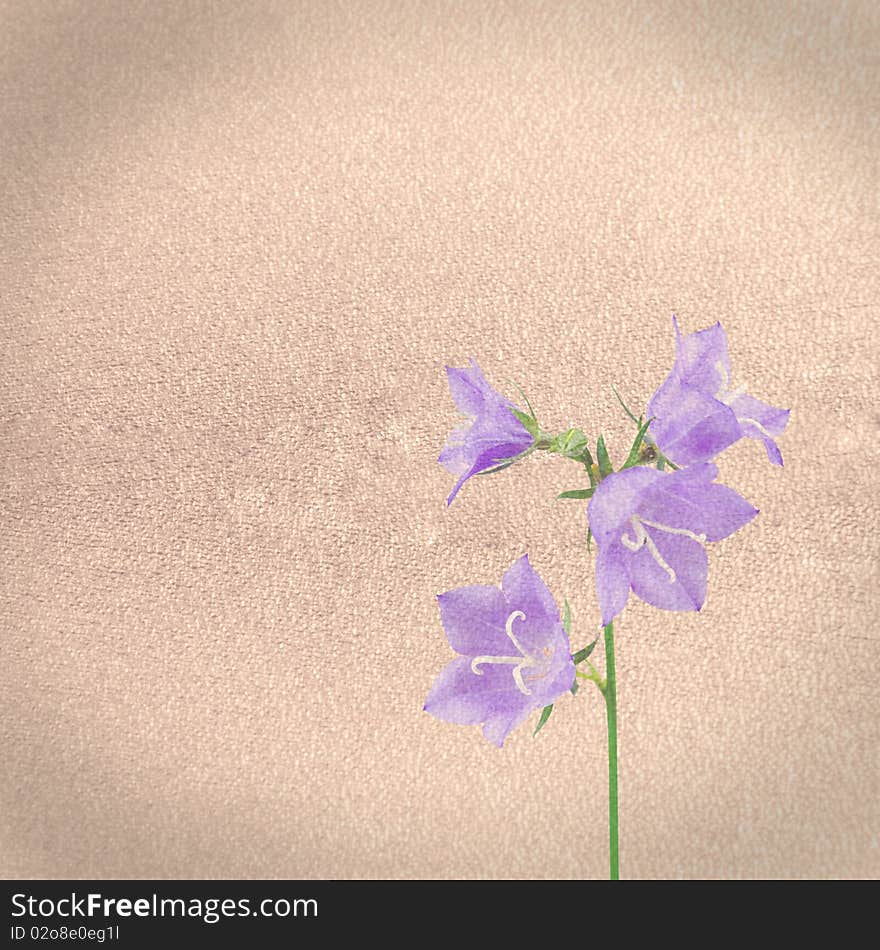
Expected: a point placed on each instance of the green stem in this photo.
(611, 708)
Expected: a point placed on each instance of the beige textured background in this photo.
(239, 242)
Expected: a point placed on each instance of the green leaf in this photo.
(577, 493)
(545, 715)
(566, 617)
(605, 467)
(589, 537)
(661, 463)
(626, 408)
(575, 686)
(633, 457)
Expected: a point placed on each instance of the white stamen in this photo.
(508, 629)
(519, 663)
(700, 538)
(642, 538)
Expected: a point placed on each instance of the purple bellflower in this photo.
(697, 413)
(651, 529)
(492, 434)
(514, 653)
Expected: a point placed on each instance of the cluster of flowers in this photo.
(651, 521)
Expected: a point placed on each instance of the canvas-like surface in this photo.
(239, 243)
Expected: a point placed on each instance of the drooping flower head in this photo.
(651, 529)
(698, 412)
(491, 435)
(514, 653)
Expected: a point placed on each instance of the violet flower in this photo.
(514, 653)
(697, 412)
(492, 435)
(651, 529)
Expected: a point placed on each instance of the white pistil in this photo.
(519, 663)
(643, 539)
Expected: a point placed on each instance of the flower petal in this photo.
(702, 360)
(616, 499)
(524, 590)
(455, 456)
(688, 499)
(541, 626)
(612, 580)
(758, 420)
(473, 619)
(651, 582)
(773, 452)
(689, 426)
(499, 726)
(560, 676)
(496, 423)
(468, 387)
(461, 696)
(750, 410)
(547, 682)
(488, 456)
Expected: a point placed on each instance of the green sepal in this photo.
(662, 461)
(577, 493)
(571, 444)
(529, 422)
(626, 408)
(605, 467)
(522, 393)
(545, 715)
(508, 462)
(635, 452)
(589, 538)
(499, 468)
(582, 655)
(575, 686)
(566, 617)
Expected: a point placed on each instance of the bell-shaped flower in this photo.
(492, 434)
(514, 653)
(697, 411)
(652, 528)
